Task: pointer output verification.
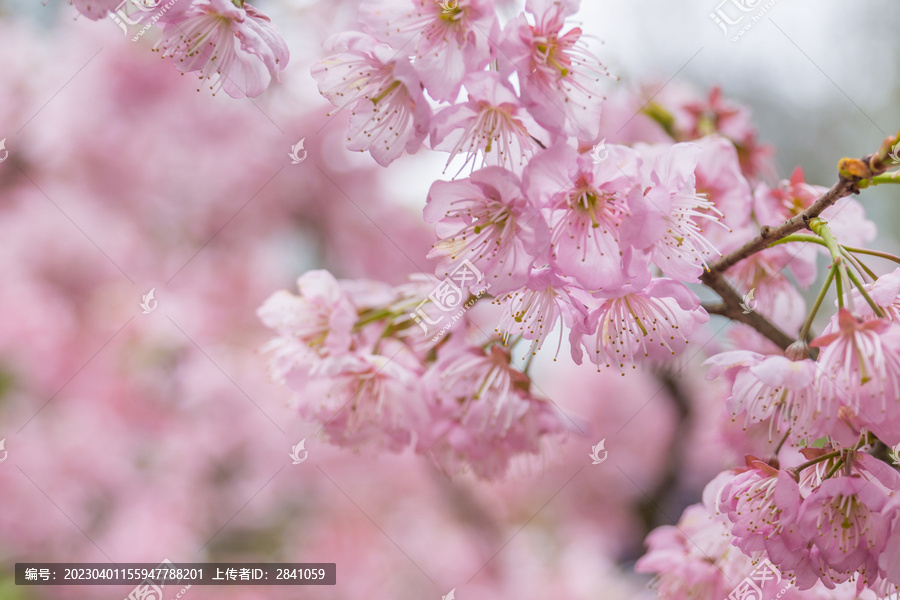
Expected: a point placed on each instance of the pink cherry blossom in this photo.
(366, 399)
(486, 219)
(698, 116)
(234, 48)
(96, 9)
(314, 324)
(633, 323)
(469, 376)
(720, 179)
(862, 361)
(885, 292)
(585, 203)
(717, 113)
(447, 40)
(560, 78)
(665, 212)
(760, 503)
(492, 123)
(482, 412)
(775, 295)
(695, 557)
(776, 390)
(536, 309)
(388, 112)
(681, 554)
(889, 561)
(843, 520)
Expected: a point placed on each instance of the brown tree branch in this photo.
(854, 175)
(731, 308)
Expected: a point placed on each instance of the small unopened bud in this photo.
(799, 350)
(853, 168)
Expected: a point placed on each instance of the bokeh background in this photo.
(138, 437)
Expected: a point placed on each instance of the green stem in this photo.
(663, 117)
(862, 290)
(816, 461)
(884, 255)
(376, 315)
(840, 287)
(799, 237)
(820, 227)
(783, 440)
(886, 178)
(844, 250)
(860, 265)
(834, 469)
(804, 331)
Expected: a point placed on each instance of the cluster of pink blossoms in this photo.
(730, 545)
(230, 44)
(581, 225)
(371, 378)
(832, 523)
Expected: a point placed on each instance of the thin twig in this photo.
(854, 175)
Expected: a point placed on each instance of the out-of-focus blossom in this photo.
(775, 295)
(720, 179)
(697, 116)
(236, 49)
(885, 292)
(96, 9)
(846, 217)
(366, 399)
(317, 323)
(483, 413)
